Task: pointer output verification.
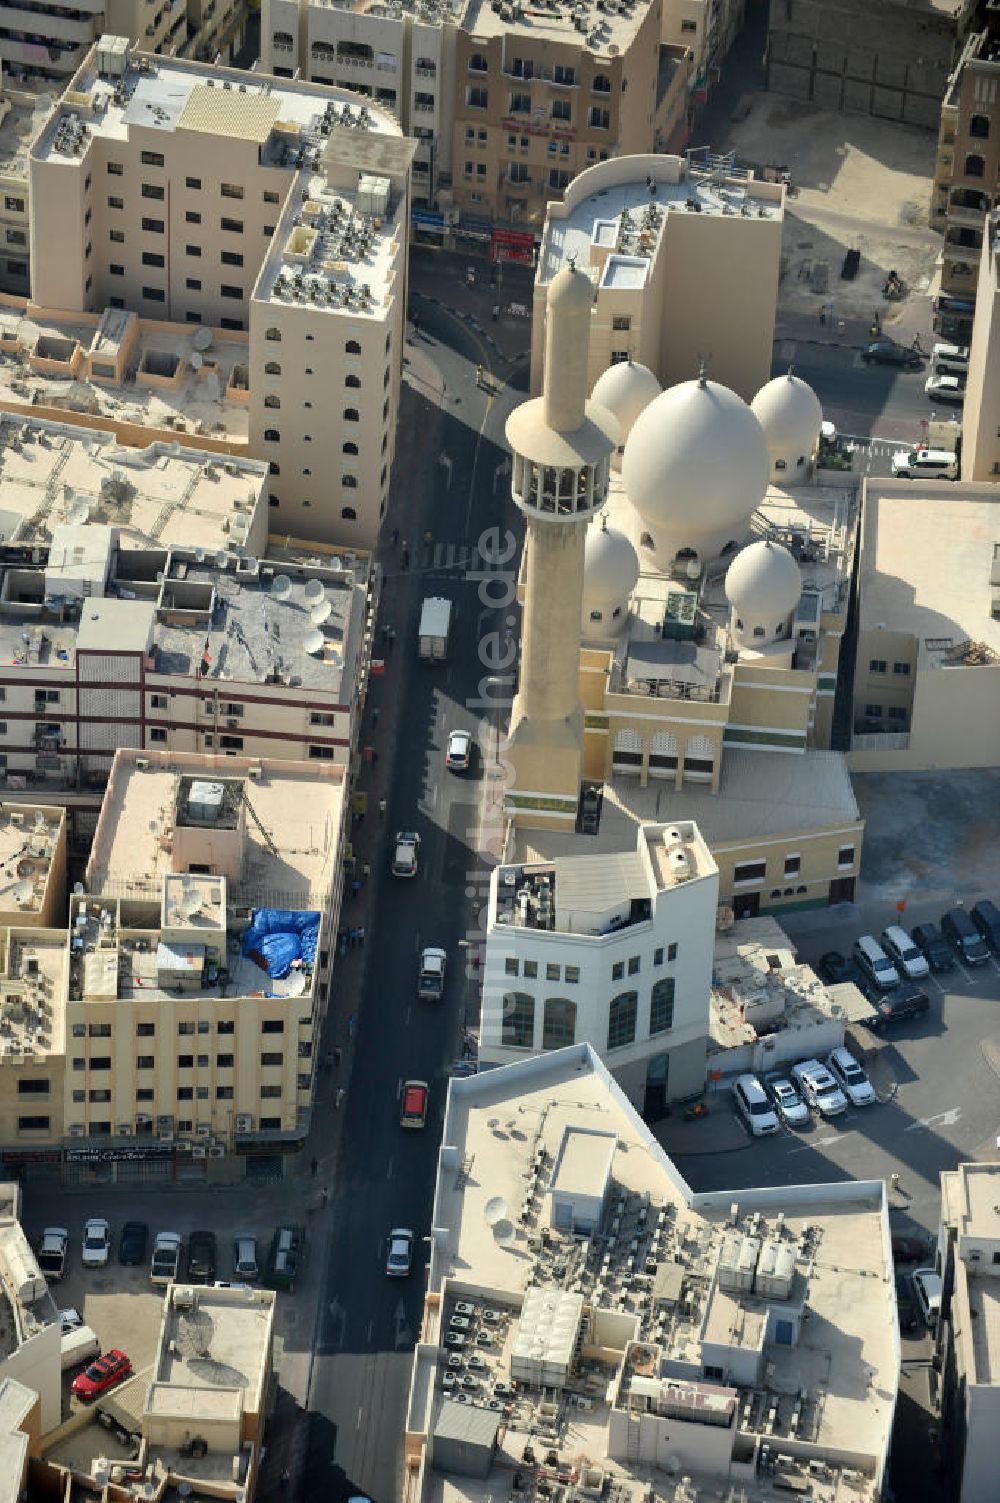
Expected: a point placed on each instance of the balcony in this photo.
(963, 214)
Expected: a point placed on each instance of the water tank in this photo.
(672, 836)
(205, 799)
(680, 864)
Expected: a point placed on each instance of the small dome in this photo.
(626, 390)
(696, 463)
(763, 582)
(790, 414)
(611, 567)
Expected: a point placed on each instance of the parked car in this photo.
(458, 755)
(946, 388)
(132, 1243)
(69, 1319)
(906, 1305)
(406, 854)
(787, 1101)
(950, 357)
(201, 1262)
(819, 1088)
(413, 1109)
(964, 938)
(887, 352)
(904, 954)
(908, 1000)
(850, 1077)
(52, 1252)
(399, 1258)
(753, 1107)
(934, 947)
(102, 1374)
(245, 1265)
(166, 1258)
(875, 963)
(96, 1247)
(284, 1257)
(835, 969)
(927, 1288)
(986, 917)
(938, 464)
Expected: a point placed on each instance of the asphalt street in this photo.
(865, 401)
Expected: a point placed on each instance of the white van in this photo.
(78, 1346)
(753, 1104)
(951, 357)
(875, 963)
(937, 464)
(903, 953)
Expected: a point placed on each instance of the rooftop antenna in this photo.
(703, 370)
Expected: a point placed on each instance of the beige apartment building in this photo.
(980, 447)
(23, 110)
(707, 28)
(685, 257)
(210, 198)
(968, 159)
(927, 678)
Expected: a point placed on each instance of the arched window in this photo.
(272, 368)
(979, 126)
(661, 1006)
(348, 513)
(621, 1019)
(273, 334)
(699, 759)
(974, 165)
(627, 753)
(350, 415)
(352, 347)
(354, 382)
(350, 448)
(271, 400)
(272, 436)
(558, 1023)
(307, 472)
(597, 615)
(518, 1029)
(759, 631)
(349, 482)
(663, 755)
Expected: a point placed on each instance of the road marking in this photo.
(940, 1119)
(357, 1423)
(819, 1143)
(937, 983)
(446, 465)
(407, 1019)
(388, 1170)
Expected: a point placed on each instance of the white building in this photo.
(587, 1315)
(29, 1321)
(610, 945)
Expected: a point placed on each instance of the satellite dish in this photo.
(281, 587)
(196, 361)
(504, 1233)
(213, 387)
(296, 983)
(221, 559)
(319, 612)
(313, 592)
(313, 640)
(201, 339)
(23, 892)
(494, 1210)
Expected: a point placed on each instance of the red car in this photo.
(102, 1374)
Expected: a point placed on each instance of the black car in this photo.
(933, 947)
(201, 1258)
(887, 352)
(834, 968)
(986, 917)
(132, 1243)
(904, 1001)
(906, 1305)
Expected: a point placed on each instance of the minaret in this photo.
(561, 446)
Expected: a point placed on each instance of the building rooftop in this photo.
(22, 113)
(213, 1343)
(929, 566)
(585, 25)
(750, 1320)
(614, 228)
(33, 976)
(30, 837)
(26, 1302)
(16, 1404)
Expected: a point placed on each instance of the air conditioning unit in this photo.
(244, 1123)
(164, 1121)
(124, 1129)
(185, 1145)
(256, 773)
(217, 1151)
(203, 1130)
(142, 1120)
(198, 1152)
(166, 1137)
(75, 1131)
(232, 723)
(142, 763)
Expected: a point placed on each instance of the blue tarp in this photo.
(278, 936)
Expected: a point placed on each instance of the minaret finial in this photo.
(702, 370)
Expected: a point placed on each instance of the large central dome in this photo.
(696, 467)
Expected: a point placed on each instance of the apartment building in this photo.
(967, 1336)
(46, 42)
(927, 676)
(980, 446)
(208, 197)
(608, 946)
(745, 1355)
(968, 158)
(399, 55)
(30, 1369)
(23, 111)
(685, 257)
(707, 29)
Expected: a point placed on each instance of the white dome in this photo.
(626, 390)
(696, 464)
(763, 582)
(610, 568)
(790, 414)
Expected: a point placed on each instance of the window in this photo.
(145, 1030)
(154, 294)
(562, 74)
(558, 178)
(115, 203)
(272, 400)
(601, 83)
(230, 190)
(79, 1096)
(115, 270)
(78, 1063)
(354, 382)
(152, 190)
(192, 182)
(32, 1124)
(226, 1026)
(658, 956)
(272, 436)
(350, 448)
(348, 514)
(115, 169)
(903, 669)
(622, 1019)
(273, 334)
(236, 293)
(845, 856)
(234, 226)
(552, 971)
(571, 975)
(223, 1093)
(633, 965)
(558, 1023)
(152, 258)
(32, 1088)
(598, 119)
(13, 205)
(185, 1061)
(520, 104)
(231, 743)
(477, 98)
(268, 1061)
(661, 1005)
(102, 1062)
(273, 1025)
(193, 284)
(144, 1061)
(321, 753)
(896, 712)
(151, 158)
(270, 1093)
(349, 482)
(531, 970)
(622, 322)
(561, 110)
(511, 966)
(518, 1020)
(793, 865)
(877, 665)
(155, 227)
(618, 971)
(99, 1030)
(350, 415)
(157, 733)
(478, 63)
(975, 166)
(750, 871)
(352, 347)
(231, 258)
(270, 197)
(979, 126)
(185, 1028)
(689, 26)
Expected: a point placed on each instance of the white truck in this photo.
(52, 1252)
(435, 625)
(166, 1258)
(406, 855)
(430, 982)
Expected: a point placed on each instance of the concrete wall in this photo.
(956, 723)
(36, 1364)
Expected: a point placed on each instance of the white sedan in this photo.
(819, 1088)
(787, 1101)
(400, 1255)
(850, 1077)
(96, 1243)
(945, 388)
(459, 753)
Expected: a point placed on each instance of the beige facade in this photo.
(675, 286)
(980, 422)
(927, 679)
(188, 194)
(968, 158)
(24, 108)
